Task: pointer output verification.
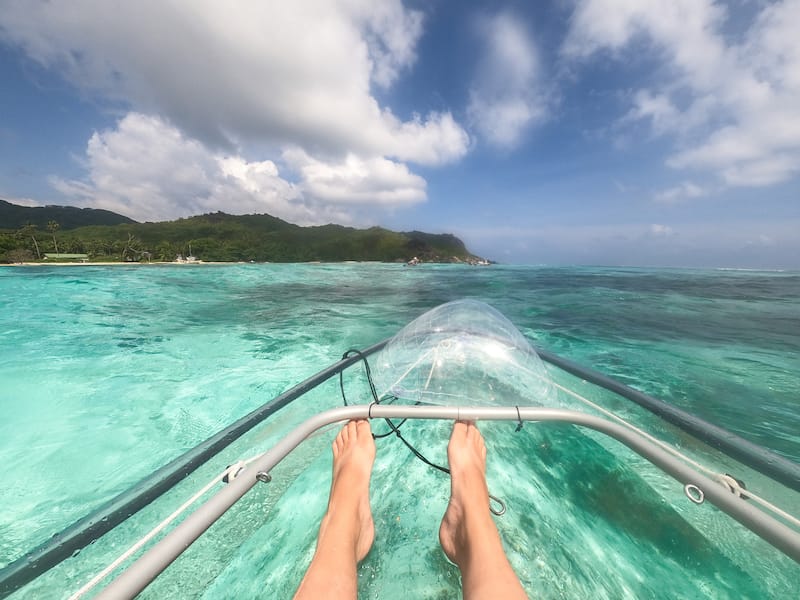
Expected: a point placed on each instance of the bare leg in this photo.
(347, 530)
(468, 535)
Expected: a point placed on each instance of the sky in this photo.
(594, 132)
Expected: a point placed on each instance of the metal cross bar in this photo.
(134, 579)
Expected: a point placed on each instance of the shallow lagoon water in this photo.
(109, 372)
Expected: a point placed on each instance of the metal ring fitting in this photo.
(497, 511)
(694, 493)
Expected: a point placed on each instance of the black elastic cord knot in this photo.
(519, 421)
(375, 401)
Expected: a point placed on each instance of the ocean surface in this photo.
(107, 373)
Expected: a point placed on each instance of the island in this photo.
(68, 234)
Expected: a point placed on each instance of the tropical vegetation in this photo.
(30, 236)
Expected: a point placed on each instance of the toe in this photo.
(363, 429)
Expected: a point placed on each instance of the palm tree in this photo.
(52, 227)
(30, 230)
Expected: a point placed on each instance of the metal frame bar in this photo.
(770, 464)
(136, 577)
(99, 522)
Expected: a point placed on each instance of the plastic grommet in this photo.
(233, 471)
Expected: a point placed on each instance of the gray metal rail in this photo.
(134, 579)
(770, 464)
(83, 532)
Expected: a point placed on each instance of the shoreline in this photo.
(108, 264)
(199, 263)
(211, 262)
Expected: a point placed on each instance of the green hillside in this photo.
(223, 237)
(14, 216)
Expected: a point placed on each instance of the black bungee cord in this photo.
(393, 429)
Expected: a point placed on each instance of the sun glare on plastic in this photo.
(462, 353)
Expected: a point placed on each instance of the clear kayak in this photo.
(601, 489)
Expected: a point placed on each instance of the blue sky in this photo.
(655, 132)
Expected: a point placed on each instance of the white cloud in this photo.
(506, 97)
(659, 108)
(21, 201)
(149, 170)
(391, 34)
(243, 78)
(732, 105)
(684, 29)
(665, 116)
(679, 193)
(357, 181)
(773, 169)
(435, 141)
(230, 72)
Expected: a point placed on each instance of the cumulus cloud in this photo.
(506, 97)
(435, 141)
(391, 35)
(149, 170)
(241, 78)
(357, 181)
(731, 101)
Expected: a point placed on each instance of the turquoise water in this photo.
(109, 372)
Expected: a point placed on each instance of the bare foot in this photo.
(468, 534)
(347, 531)
(469, 495)
(353, 455)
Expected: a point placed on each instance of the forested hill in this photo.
(14, 216)
(223, 237)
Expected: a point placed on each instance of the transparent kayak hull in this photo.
(463, 352)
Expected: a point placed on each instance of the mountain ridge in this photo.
(14, 216)
(216, 237)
